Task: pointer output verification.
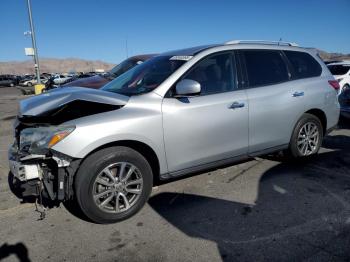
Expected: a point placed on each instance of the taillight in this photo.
(334, 84)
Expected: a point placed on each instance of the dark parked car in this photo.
(8, 80)
(98, 81)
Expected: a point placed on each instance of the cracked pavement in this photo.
(264, 209)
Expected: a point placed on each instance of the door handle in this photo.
(297, 94)
(236, 105)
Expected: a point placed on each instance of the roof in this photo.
(340, 63)
(239, 44)
(261, 42)
(189, 51)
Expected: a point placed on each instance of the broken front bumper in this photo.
(50, 176)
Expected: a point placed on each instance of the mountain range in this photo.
(54, 65)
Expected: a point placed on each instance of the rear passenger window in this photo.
(215, 74)
(304, 65)
(265, 67)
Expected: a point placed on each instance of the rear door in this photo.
(211, 126)
(275, 103)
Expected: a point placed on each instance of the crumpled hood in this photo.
(59, 97)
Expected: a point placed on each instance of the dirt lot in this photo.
(259, 210)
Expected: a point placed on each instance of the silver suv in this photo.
(180, 112)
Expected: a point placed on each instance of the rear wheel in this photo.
(307, 137)
(113, 184)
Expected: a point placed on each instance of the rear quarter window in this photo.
(303, 64)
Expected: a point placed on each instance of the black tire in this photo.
(293, 151)
(29, 84)
(91, 168)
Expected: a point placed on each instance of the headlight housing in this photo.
(36, 138)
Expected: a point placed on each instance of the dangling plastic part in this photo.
(39, 207)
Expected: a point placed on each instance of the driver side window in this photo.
(215, 73)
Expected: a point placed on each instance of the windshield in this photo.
(339, 69)
(144, 77)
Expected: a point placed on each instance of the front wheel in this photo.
(113, 184)
(307, 137)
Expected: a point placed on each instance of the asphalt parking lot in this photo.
(264, 209)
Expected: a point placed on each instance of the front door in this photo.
(211, 126)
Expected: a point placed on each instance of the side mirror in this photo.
(187, 87)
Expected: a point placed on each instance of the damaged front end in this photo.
(38, 170)
(42, 172)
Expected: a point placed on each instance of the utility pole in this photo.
(126, 47)
(32, 34)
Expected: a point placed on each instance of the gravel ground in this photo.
(259, 210)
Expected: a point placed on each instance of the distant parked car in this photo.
(341, 72)
(61, 79)
(32, 81)
(98, 81)
(6, 80)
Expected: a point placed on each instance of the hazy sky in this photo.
(98, 29)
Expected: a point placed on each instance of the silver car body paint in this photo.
(139, 120)
(202, 129)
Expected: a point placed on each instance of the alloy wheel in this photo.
(117, 187)
(308, 139)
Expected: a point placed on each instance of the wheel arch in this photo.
(321, 115)
(145, 150)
